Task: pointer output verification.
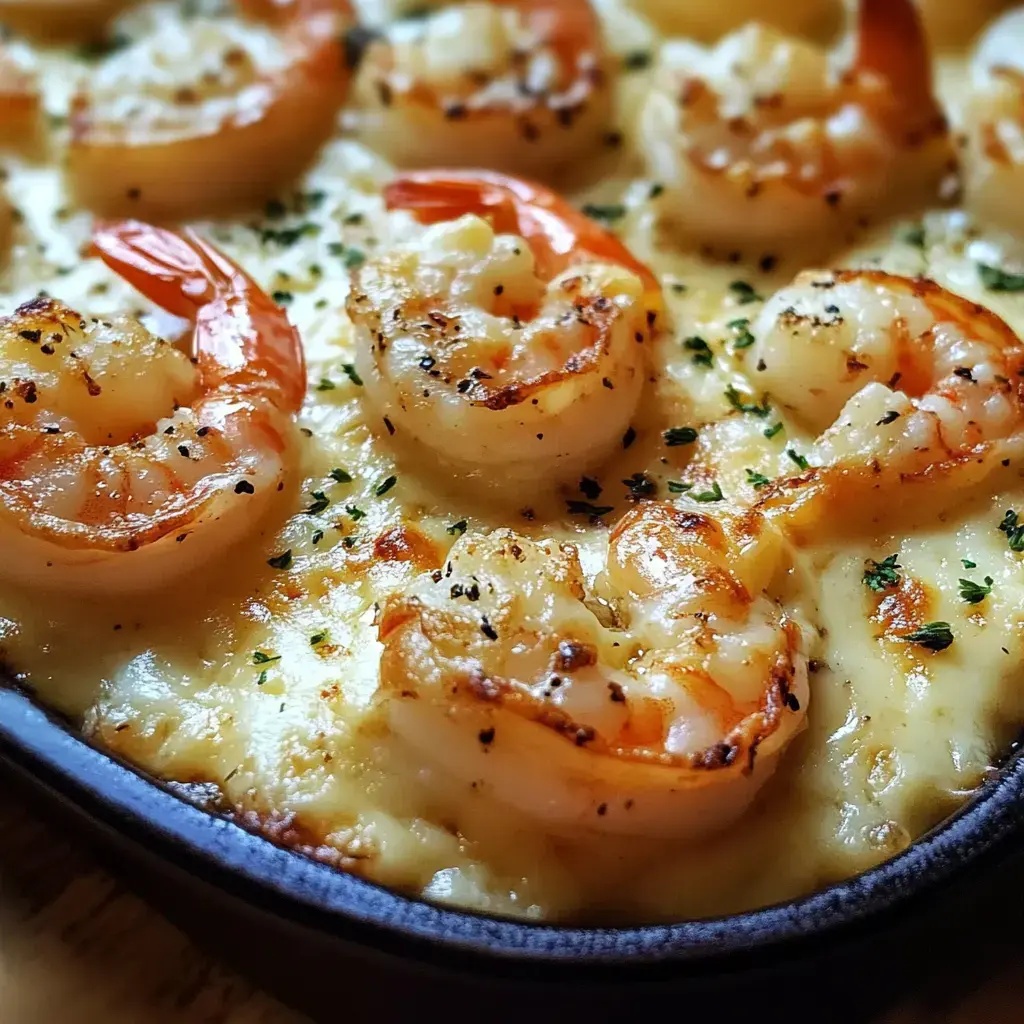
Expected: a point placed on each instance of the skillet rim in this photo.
(40, 748)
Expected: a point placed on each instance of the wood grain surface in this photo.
(78, 948)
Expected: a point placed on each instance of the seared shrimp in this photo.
(511, 346)
(911, 389)
(994, 125)
(521, 85)
(758, 142)
(209, 113)
(498, 675)
(123, 463)
(59, 19)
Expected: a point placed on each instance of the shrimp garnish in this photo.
(521, 85)
(664, 725)
(913, 392)
(758, 141)
(993, 120)
(123, 463)
(510, 349)
(210, 114)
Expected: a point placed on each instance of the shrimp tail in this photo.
(890, 41)
(243, 340)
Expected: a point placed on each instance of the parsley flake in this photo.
(590, 488)
(317, 638)
(737, 401)
(676, 436)
(281, 297)
(355, 513)
(715, 494)
(385, 485)
(996, 280)
(604, 211)
(741, 329)
(326, 385)
(771, 431)
(972, 592)
(340, 476)
(968, 564)
(757, 480)
(350, 372)
(641, 485)
(456, 529)
(320, 502)
(262, 658)
(701, 349)
(935, 636)
(744, 292)
(281, 561)
(678, 487)
(1014, 531)
(883, 575)
(913, 234)
(797, 458)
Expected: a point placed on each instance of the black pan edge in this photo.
(288, 885)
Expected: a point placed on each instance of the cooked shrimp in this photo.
(994, 125)
(59, 19)
(522, 86)
(511, 349)
(209, 113)
(912, 390)
(758, 142)
(497, 674)
(123, 463)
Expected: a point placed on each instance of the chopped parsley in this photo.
(757, 480)
(281, 561)
(771, 431)
(340, 476)
(262, 658)
(641, 485)
(281, 297)
(320, 502)
(318, 535)
(385, 485)
(797, 458)
(972, 592)
(355, 512)
(326, 385)
(317, 638)
(997, 280)
(737, 401)
(883, 575)
(604, 211)
(913, 234)
(936, 636)
(288, 236)
(1014, 531)
(637, 60)
(350, 372)
(354, 258)
(741, 329)
(968, 564)
(676, 436)
(678, 487)
(590, 488)
(585, 508)
(715, 494)
(701, 350)
(744, 292)
(456, 529)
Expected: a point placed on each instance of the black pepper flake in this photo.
(628, 437)
(183, 450)
(486, 736)
(602, 810)
(590, 488)
(32, 336)
(389, 425)
(487, 629)
(244, 487)
(281, 561)
(618, 696)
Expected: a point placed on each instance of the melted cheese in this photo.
(260, 681)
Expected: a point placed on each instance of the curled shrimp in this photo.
(521, 85)
(506, 685)
(908, 387)
(59, 19)
(758, 141)
(123, 462)
(993, 119)
(512, 346)
(207, 114)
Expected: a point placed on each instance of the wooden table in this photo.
(76, 948)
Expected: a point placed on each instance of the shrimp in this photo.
(59, 19)
(522, 86)
(501, 679)
(757, 141)
(993, 119)
(511, 347)
(909, 388)
(123, 463)
(209, 113)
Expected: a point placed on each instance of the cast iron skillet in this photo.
(331, 916)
